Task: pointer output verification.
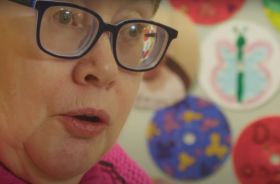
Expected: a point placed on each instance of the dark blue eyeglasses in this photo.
(69, 31)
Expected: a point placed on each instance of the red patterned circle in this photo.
(208, 11)
(257, 152)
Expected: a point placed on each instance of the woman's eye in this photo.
(135, 31)
(72, 18)
(64, 17)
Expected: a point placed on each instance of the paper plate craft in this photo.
(240, 65)
(272, 11)
(162, 87)
(169, 83)
(207, 12)
(190, 140)
(256, 154)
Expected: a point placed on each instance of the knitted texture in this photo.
(7, 177)
(116, 167)
(122, 165)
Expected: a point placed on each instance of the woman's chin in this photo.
(62, 172)
(62, 161)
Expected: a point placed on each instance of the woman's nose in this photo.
(98, 67)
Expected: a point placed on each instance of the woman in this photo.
(66, 93)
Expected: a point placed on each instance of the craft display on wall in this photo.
(190, 140)
(240, 65)
(208, 12)
(177, 70)
(272, 11)
(256, 154)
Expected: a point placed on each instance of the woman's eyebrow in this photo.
(29, 3)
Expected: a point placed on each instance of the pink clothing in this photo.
(117, 168)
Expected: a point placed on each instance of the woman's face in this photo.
(57, 117)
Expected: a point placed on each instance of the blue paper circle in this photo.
(189, 140)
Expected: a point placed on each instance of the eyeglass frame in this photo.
(42, 6)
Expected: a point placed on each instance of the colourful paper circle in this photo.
(240, 65)
(257, 152)
(190, 140)
(157, 85)
(272, 11)
(208, 11)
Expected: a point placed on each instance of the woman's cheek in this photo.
(127, 92)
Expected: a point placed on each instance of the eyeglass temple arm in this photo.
(29, 3)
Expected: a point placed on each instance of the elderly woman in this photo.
(69, 73)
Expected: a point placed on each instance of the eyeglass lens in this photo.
(67, 31)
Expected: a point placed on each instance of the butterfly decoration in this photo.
(240, 75)
(239, 65)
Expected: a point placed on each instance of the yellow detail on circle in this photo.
(274, 17)
(190, 116)
(153, 131)
(185, 161)
(215, 148)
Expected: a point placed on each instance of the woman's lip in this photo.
(82, 128)
(101, 114)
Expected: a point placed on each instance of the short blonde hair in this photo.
(156, 4)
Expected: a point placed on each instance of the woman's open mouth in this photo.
(86, 118)
(85, 123)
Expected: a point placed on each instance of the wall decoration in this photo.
(240, 62)
(272, 11)
(158, 85)
(257, 152)
(170, 82)
(208, 12)
(190, 140)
